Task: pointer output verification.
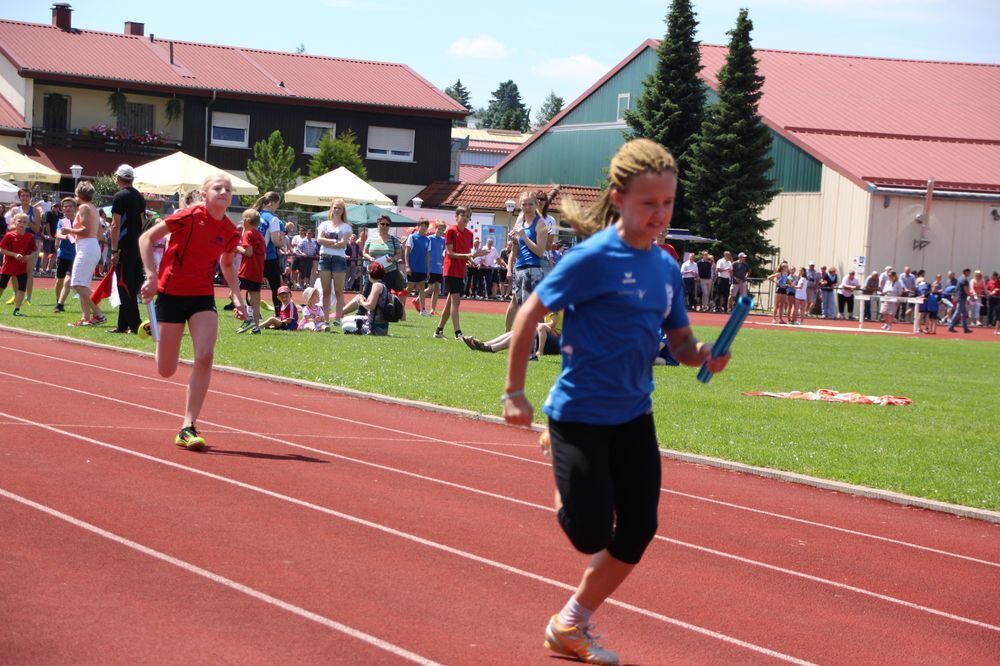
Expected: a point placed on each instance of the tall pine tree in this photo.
(270, 168)
(551, 106)
(727, 183)
(460, 94)
(332, 153)
(506, 110)
(672, 105)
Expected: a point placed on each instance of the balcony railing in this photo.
(89, 140)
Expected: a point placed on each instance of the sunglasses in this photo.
(383, 224)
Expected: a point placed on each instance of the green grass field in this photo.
(946, 446)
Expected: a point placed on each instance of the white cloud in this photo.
(572, 67)
(485, 47)
(899, 10)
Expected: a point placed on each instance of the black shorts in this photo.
(22, 281)
(63, 266)
(48, 246)
(608, 478)
(433, 278)
(416, 277)
(552, 345)
(249, 285)
(172, 309)
(395, 280)
(454, 285)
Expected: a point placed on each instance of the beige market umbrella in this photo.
(15, 166)
(180, 173)
(340, 183)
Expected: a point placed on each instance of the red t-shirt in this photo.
(461, 242)
(196, 243)
(252, 268)
(21, 244)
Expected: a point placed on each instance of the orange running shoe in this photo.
(579, 642)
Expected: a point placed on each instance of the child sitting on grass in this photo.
(312, 311)
(287, 316)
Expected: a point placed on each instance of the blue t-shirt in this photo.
(525, 257)
(436, 263)
(67, 248)
(417, 243)
(266, 219)
(617, 299)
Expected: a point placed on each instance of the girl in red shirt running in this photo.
(199, 236)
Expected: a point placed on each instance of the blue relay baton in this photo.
(728, 334)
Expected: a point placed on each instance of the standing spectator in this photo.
(3, 219)
(801, 293)
(871, 288)
(18, 250)
(962, 294)
(435, 263)
(724, 269)
(705, 276)
(689, 277)
(415, 256)
(458, 251)
(845, 295)
(86, 226)
(473, 280)
(307, 252)
(891, 291)
(993, 295)
(128, 219)
(503, 273)
(352, 282)
(333, 237)
(883, 278)
(286, 253)
(253, 249)
(909, 281)
(66, 252)
(531, 238)
(781, 284)
(929, 308)
(273, 231)
(827, 282)
(544, 202)
(741, 272)
(50, 222)
(977, 295)
(388, 251)
(812, 291)
(488, 266)
(32, 228)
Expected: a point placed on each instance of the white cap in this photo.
(125, 172)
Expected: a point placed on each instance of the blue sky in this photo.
(542, 46)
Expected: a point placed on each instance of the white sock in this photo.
(573, 614)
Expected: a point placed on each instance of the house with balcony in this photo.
(96, 99)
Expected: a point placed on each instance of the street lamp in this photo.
(76, 170)
(510, 205)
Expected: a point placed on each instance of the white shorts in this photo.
(88, 253)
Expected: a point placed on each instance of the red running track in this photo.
(326, 528)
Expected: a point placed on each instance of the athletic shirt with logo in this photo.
(616, 300)
(525, 257)
(269, 222)
(197, 240)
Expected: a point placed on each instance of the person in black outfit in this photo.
(128, 216)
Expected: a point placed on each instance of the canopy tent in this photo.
(15, 166)
(688, 237)
(366, 215)
(179, 173)
(8, 192)
(340, 183)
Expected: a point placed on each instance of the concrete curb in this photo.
(698, 459)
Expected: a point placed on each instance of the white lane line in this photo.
(844, 530)
(374, 641)
(212, 431)
(415, 539)
(533, 505)
(532, 461)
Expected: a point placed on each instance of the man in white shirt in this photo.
(488, 265)
(689, 274)
(724, 270)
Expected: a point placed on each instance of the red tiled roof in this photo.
(470, 173)
(10, 119)
(502, 147)
(874, 120)
(118, 58)
(94, 162)
(494, 196)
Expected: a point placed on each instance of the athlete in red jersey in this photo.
(199, 236)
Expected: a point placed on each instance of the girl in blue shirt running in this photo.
(618, 291)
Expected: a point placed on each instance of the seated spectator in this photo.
(547, 336)
(312, 311)
(287, 316)
(372, 304)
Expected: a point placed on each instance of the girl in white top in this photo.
(801, 295)
(845, 295)
(893, 287)
(333, 235)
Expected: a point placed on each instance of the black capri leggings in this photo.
(609, 481)
(272, 273)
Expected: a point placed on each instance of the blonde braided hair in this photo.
(635, 157)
